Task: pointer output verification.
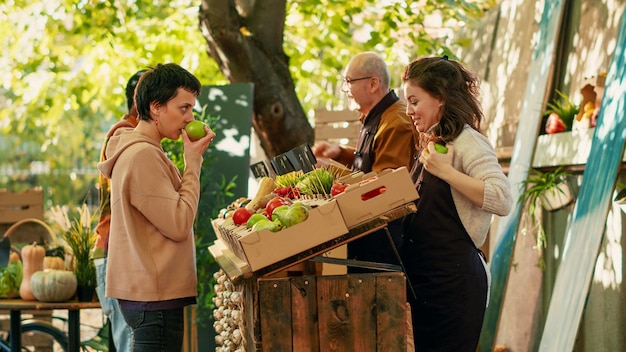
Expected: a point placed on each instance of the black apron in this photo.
(445, 269)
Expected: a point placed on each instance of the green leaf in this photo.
(11, 279)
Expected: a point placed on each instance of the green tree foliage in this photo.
(64, 65)
(294, 51)
(322, 35)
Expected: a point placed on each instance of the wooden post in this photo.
(190, 339)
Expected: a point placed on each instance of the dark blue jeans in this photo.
(156, 331)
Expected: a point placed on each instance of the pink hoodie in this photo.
(151, 245)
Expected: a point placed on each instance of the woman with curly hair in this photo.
(461, 186)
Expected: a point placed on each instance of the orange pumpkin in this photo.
(53, 262)
(14, 257)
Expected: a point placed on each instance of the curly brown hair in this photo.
(453, 84)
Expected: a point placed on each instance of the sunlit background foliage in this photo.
(64, 65)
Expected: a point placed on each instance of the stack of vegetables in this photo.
(34, 273)
(280, 202)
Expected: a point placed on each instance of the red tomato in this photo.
(273, 203)
(288, 192)
(241, 216)
(554, 124)
(338, 188)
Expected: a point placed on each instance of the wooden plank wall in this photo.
(17, 206)
(337, 126)
(364, 312)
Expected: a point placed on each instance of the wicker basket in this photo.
(50, 241)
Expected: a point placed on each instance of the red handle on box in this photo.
(373, 193)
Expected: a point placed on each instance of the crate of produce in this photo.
(263, 248)
(370, 195)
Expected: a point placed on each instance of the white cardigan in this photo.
(474, 156)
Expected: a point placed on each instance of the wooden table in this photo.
(16, 306)
(248, 281)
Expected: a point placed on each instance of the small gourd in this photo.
(53, 285)
(53, 262)
(14, 257)
(32, 261)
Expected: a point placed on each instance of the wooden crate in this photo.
(16, 207)
(360, 312)
(22, 205)
(300, 269)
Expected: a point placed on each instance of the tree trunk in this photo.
(245, 37)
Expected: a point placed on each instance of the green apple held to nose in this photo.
(195, 130)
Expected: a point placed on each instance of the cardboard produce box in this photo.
(232, 265)
(263, 248)
(228, 235)
(370, 195)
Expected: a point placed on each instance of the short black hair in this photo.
(130, 88)
(160, 84)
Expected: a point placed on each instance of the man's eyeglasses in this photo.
(349, 81)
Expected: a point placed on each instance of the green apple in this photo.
(195, 130)
(441, 149)
(254, 218)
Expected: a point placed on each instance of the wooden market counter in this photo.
(329, 312)
(16, 306)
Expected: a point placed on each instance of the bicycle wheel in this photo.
(38, 335)
(4, 346)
